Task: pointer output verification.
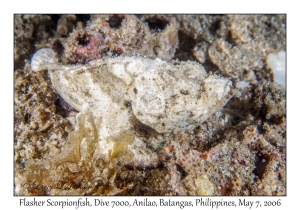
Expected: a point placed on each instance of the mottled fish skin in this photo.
(165, 95)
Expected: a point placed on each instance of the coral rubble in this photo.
(115, 115)
(122, 34)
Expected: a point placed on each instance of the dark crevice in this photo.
(209, 66)
(116, 53)
(83, 17)
(115, 21)
(83, 39)
(58, 48)
(215, 26)
(182, 172)
(139, 16)
(55, 18)
(185, 50)
(261, 163)
(238, 109)
(62, 107)
(143, 130)
(157, 24)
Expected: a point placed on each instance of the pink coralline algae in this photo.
(88, 47)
